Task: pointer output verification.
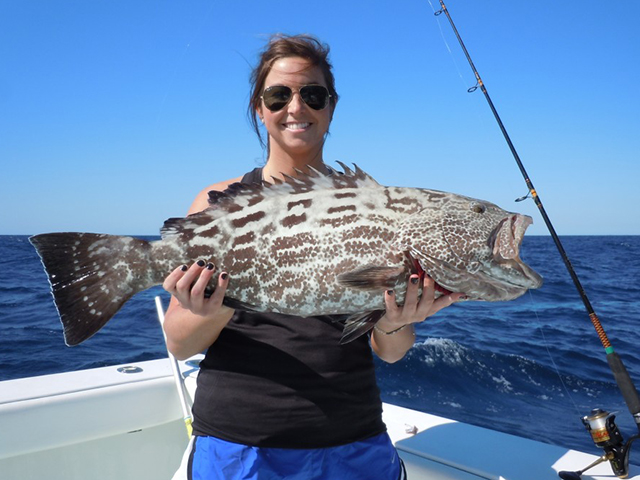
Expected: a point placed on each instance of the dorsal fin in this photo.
(239, 195)
(312, 179)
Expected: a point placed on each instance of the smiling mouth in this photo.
(297, 126)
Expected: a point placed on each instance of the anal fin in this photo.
(359, 324)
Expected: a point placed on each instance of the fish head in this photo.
(478, 252)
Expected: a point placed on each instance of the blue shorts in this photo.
(373, 459)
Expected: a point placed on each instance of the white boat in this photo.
(126, 422)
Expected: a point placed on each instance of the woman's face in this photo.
(297, 129)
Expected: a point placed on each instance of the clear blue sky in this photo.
(114, 114)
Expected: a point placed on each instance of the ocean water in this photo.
(531, 367)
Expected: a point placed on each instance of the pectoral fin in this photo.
(372, 278)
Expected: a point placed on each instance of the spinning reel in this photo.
(606, 435)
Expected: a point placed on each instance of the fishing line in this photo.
(481, 120)
(623, 380)
(448, 47)
(546, 346)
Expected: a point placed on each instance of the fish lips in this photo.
(505, 242)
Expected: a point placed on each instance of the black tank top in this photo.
(273, 380)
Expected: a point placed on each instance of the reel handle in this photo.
(564, 475)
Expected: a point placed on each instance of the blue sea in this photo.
(531, 367)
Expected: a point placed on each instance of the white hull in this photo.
(103, 424)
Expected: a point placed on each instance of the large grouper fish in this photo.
(309, 245)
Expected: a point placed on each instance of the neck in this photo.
(280, 163)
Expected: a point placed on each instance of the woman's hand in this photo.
(416, 308)
(188, 284)
(393, 335)
(193, 321)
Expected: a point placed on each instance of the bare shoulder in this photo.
(202, 199)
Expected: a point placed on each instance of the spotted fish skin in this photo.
(308, 245)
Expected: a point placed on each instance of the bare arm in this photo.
(193, 322)
(394, 334)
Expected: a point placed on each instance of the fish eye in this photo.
(478, 208)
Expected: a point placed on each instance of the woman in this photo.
(278, 396)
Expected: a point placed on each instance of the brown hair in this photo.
(281, 46)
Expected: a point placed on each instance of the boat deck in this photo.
(105, 424)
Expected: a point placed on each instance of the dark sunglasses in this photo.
(277, 97)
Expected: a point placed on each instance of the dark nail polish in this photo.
(201, 263)
(414, 280)
(224, 276)
(210, 266)
(390, 293)
(184, 268)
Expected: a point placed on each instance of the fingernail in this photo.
(184, 268)
(210, 266)
(224, 276)
(201, 263)
(390, 293)
(414, 280)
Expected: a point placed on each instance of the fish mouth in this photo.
(494, 272)
(505, 242)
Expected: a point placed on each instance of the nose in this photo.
(296, 104)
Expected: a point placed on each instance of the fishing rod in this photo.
(177, 375)
(600, 423)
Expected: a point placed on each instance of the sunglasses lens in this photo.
(276, 98)
(315, 96)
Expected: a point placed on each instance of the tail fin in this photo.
(91, 277)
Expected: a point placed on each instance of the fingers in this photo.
(215, 301)
(188, 286)
(445, 301)
(412, 300)
(198, 277)
(190, 280)
(430, 305)
(423, 308)
(169, 283)
(418, 305)
(392, 309)
(407, 312)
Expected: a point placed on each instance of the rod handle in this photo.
(628, 390)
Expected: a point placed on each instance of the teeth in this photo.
(297, 126)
